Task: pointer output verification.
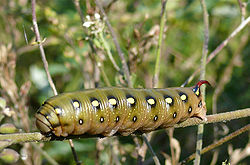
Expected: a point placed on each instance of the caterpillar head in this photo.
(43, 119)
(51, 117)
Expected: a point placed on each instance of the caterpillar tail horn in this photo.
(196, 89)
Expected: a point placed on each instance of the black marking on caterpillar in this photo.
(116, 111)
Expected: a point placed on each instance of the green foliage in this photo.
(74, 65)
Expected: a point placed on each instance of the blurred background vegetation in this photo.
(73, 66)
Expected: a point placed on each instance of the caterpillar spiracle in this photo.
(114, 110)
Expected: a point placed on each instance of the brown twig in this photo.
(213, 54)
(39, 42)
(218, 143)
(78, 8)
(114, 37)
(155, 158)
(45, 64)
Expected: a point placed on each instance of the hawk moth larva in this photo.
(111, 110)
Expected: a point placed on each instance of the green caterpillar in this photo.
(114, 110)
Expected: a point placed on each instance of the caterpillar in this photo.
(114, 110)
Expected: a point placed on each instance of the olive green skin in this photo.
(103, 120)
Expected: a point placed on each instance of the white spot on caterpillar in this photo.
(112, 101)
(95, 103)
(169, 100)
(151, 101)
(190, 109)
(174, 115)
(183, 97)
(134, 119)
(80, 121)
(155, 118)
(102, 119)
(117, 119)
(131, 100)
(76, 104)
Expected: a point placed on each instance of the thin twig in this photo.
(213, 54)
(101, 68)
(114, 37)
(45, 63)
(202, 77)
(38, 40)
(221, 117)
(107, 49)
(74, 152)
(155, 158)
(173, 148)
(159, 47)
(78, 8)
(218, 143)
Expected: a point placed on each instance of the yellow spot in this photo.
(197, 92)
(183, 97)
(95, 103)
(76, 104)
(151, 101)
(131, 100)
(58, 111)
(112, 101)
(169, 100)
(47, 117)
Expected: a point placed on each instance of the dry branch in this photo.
(221, 117)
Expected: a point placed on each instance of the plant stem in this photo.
(119, 50)
(159, 47)
(155, 158)
(202, 77)
(38, 40)
(107, 49)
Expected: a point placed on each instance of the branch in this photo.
(38, 137)
(219, 48)
(218, 143)
(38, 39)
(220, 117)
(155, 158)
(158, 54)
(46, 66)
